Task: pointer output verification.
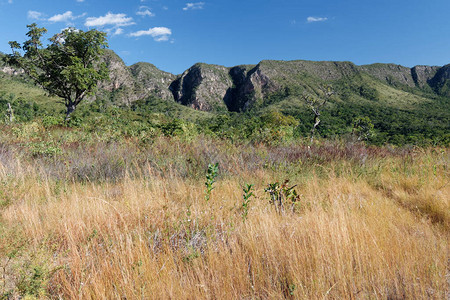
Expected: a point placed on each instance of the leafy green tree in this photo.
(69, 67)
(363, 128)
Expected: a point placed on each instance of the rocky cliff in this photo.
(422, 75)
(139, 81)
(202, 87)
(217, 88)
(441, 81)
(152, 81)
(390, 73)
(212, 87)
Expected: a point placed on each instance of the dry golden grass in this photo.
(383, 234)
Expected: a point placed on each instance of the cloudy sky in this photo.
(175, 34)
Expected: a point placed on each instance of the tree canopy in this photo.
(69, 67)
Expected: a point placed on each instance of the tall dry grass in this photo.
(374, 227)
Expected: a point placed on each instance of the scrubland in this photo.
(88, 217)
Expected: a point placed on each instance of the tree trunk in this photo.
(313, 130)
(10, 113)
(70, 109)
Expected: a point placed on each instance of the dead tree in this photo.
(316, 104)
(10, 113)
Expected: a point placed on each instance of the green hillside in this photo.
(264, 101)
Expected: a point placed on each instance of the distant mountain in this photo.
(405, 105)
(139, 81)
(213, 88)
(217, 88)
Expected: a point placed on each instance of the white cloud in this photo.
(196, 5)
(159, 34)
(10, 1)
(163, 38)
(34, 15)
(80, 0)
(315, 19)
(66, 17)
(145, 11)
(118, 31)
(110, 19)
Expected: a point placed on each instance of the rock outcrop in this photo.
(442, 75)
(202, 87)
(390, 73)
(139, 81)
(152, 81)
(217, 88)
(422, 75)
(120, 86)
(441, 81)
(11, 71)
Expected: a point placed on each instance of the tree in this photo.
(363, 128)
(69, 67)
(316, 104)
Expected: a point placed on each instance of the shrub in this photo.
(280, 194)
(43, 148)
(247, 194)
(172, 128)
(211, 174)
(51, 121)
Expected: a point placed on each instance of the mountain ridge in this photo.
(209, 87)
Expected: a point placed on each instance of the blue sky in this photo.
(175, 34)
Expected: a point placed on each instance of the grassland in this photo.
(93, 215)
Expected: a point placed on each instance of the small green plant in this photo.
(74, 121)
(280, 194)
(292, 288)
(43, 148)
(33, 281)
(211, 174)
(191, 255)
(51, 121)
(246, 199)
(27, 130)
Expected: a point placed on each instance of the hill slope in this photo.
(400, 101)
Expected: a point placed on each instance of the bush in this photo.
(27, 130)
(51, 121)
(172, 128)
(43, 149)
(368, 92)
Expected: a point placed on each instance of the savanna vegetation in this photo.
(174, 213)
(155, 200)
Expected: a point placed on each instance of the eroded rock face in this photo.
(120, 86)
(139, 81)
(152, 81)
(390, 73)
(249, 86)
(323, 70)
(443, 74)
(253, 84)
(423, 74)
(441, 81)
(215, 88)
(202, 87)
